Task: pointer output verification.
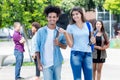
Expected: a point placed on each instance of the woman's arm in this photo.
(69, 38)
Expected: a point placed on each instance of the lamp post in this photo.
(110, 23)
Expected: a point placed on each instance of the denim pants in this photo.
(52, 73)
(19, 60)
(37, 70)
(81, 60)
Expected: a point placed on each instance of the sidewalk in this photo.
(110, 72)
(111, 68)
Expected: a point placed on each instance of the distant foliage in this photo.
(113, 6)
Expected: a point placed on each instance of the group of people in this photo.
(48, 40)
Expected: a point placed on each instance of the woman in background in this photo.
(35, 27)
(99, 54)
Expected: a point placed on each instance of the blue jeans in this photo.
(19, 60)
(81, 60)
(52, 73)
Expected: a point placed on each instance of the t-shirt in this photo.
(48, 50)
(80, 37)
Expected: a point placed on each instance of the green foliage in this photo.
(24, 11)
(27, 64)
(113, 6)
(68, 4)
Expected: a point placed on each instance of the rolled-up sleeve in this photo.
(63, 41)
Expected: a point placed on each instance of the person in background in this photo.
(35, 27)
(18, 50)
(48, 45)
(77, 37)
(99, 53)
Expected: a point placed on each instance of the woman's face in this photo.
(33, 29)
(98, 25)
(76, 16)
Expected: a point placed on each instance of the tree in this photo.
(24, 11)
(68, 4)
(114, 7)
(99, 4)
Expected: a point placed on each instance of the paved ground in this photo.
(111, 69)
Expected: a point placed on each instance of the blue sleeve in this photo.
(38, 41)
(63, 41)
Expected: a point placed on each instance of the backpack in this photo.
(89, 28)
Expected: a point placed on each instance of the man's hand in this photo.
(22, 40)
(56, 42)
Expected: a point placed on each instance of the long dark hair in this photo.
(103, 31)
(36, 25)
(80, 10)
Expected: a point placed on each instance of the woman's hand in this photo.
(40, 67)
(33, 56)
(92, 39)
(61, 30)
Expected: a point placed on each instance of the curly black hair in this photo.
(54, 9)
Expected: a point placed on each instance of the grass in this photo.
(27, 64)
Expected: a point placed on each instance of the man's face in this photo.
(18, 27)
(52, 18)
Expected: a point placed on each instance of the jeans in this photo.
(37, 70)
(81, 60)
(19, 60)
(52, 73)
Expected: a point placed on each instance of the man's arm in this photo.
(22, 40)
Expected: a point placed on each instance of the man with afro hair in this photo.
(48, 44)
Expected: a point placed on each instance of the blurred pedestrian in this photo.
(35, 27)
(18, 50)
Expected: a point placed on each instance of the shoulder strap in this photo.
(88, 25)
(89, 28)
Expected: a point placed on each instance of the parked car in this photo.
(6, 32)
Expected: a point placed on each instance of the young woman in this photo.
(99, 54)
(77, 37)
(35, 27)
